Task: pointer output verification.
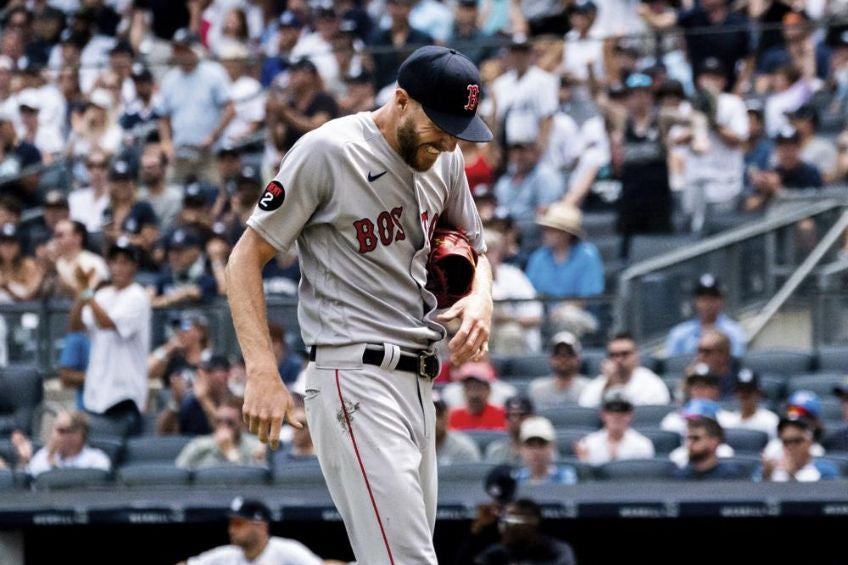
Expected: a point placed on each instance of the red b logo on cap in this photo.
(473, 94)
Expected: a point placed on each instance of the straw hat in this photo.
(563, 217)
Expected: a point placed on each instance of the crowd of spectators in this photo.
(136, 137)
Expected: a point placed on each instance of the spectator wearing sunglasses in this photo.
(68, 447)
(228, 444)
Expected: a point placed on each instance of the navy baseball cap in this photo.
(250, 509)
(124, 247)
(447, 85)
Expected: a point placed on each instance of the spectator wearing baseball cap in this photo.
(452, 446)
(128, 216)
(186, 277)
(802, 405)
(814, 148)
(759, 148)
(177, 361)
(616, 440)
(508, 450)
(700, 410)
(21, 275)
(799, 460)
(466, 35)
(538, 452)
(454, 392)
(196, 411)
(140, 112)
(837, 440)
(477, 413)
(700, 383)
(289, 27)
(790, 171)
(251, 541)
(749, 413)
(565, 383)
(703, 445)
(708, 300)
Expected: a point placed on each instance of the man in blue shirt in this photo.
(566, 266)
(709, 305)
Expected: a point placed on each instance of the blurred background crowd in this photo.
(136, 136)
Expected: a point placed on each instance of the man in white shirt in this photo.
(622, 368)
(749, 415)
(246, 93)
(251, 543)
(68, 245)
(617, 440)
(715, 165)
(67, 447)
(117, 319)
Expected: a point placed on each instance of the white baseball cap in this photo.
(537, 427)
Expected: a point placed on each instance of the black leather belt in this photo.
(422, 363)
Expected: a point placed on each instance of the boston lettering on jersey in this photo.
(386, 231)
(273, 196)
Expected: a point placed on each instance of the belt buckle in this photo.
(423, 368)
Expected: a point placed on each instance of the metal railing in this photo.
(752, 261)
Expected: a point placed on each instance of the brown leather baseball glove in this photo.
(451, 266)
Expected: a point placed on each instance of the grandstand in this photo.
(709, 139)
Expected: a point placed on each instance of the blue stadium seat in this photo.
(484, 437)
(774, 387)
(650, 415)
(572, 417)
(69, 478)
(832, 358)
(500, 363)
(566, 438)
(21, 391)
(664, 441)
(536, 365)
(585, 472)
(7, 479)
(779, 361)
(820, 383)
(841, 461)
(831, 410)
(235, 475)
(153, 474)
(299, 474)
(154, 449)
(592, 359)
(676, 364)
(113, 447)
(658, 468)
(470, 472)
(748, 463)
(745, 441)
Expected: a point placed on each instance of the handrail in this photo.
(794, 281)
(729, 237)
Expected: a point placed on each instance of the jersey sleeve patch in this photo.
(273, 196)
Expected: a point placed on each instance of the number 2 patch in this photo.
(272, 197)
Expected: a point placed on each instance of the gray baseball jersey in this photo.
(362, 219)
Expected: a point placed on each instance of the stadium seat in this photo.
(779, 361)
(500, 363)
(572, 417)
(7, 452)
(748, 463)
(650, 415)
(484, 437)
(673, 384)
(101, 426)
(231, 475)
(676, 364)
(840, 461)
(299, 474)
(154, 449)
(69, 478)
(153, 474)
(820, 383)
(644, 247)
(470, 472)
(7, 479)
(664, 441)
(566, 438)
(585, 472)
(537, 365)
(21, 391)
(745, 441)
(774, 387)
(592, 359)
(636, 470)
(598, 224)
(832, 358)
(113, 447)
(831, 410)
